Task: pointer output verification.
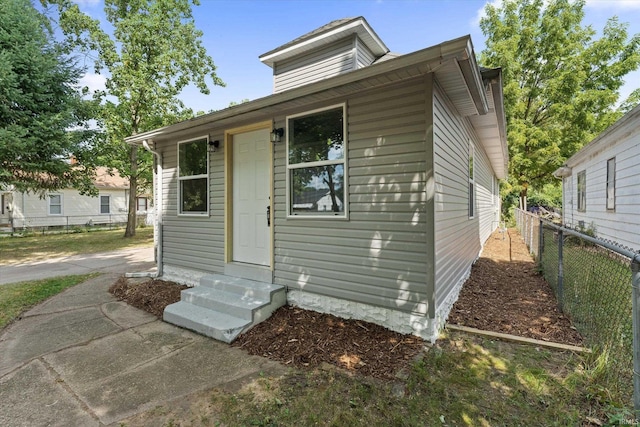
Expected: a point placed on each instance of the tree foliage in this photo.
(43, 118)
(153, 53)
(561, 83)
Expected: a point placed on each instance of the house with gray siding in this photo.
(601, 184)
(365, 186)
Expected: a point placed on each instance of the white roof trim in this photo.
(359, 27)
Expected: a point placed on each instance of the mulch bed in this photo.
(306, 338)
(504, 294)
(151, 296)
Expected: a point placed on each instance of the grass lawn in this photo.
(18, 297)
(464, 381)
(39, 247)
(15, 298)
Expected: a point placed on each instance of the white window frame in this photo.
(60, 204)
(471, 205)
(108, 196)
(610, 194)
(190, 177)
(581, 205)
(344, 215)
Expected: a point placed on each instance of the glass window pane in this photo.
(55, 204)
(611, 183)
(317, 190)
(316, 137)
(104, 204)
(582, 194)
(193, 158)
(194, 195)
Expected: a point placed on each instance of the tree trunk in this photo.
(133, 192)
(523, 196)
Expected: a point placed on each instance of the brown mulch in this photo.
(307, 338)
(504, 294)
(151, 296)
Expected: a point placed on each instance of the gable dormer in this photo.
(339, 47)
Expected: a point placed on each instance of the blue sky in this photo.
(236, 32)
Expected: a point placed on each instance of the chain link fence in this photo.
(68, 223)
(595, 282)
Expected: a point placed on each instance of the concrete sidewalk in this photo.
(83, 358)
(132, 259)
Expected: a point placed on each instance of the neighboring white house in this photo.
(67, 207)
(365, 186)
(601, 184)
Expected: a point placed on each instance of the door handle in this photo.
(268, 216)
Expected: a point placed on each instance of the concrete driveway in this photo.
(124, 260)
(82, 358)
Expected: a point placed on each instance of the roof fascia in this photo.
(494, 78)
(433, 56)
(379, 48)
(471, 72)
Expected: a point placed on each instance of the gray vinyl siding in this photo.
(193, 242)
(457, 237)
(364, 57)
(316, 65)
(486, 205)
(377, 256)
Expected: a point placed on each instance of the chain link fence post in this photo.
(635, 284)
(540, 243)
(560, 290)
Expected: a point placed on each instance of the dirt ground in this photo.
(503, 294)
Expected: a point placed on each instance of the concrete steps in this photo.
(223, 307)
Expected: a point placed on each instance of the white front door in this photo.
(251, 193)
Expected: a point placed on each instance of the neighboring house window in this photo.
(142, 204)
(105, 204)
(611, 184)
(472, 186)
(55, 204)
(582, 191)
(2, 202)
(316, 163)
(193, 177)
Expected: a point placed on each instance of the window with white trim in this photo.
(611, 184)
(316, 163)
(105, 204)
(193, 177)
(472, 186)
(582, 191)
(55, 204)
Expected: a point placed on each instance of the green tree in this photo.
(631, 102)
(561, 83)
(43, 118)
(154, 52)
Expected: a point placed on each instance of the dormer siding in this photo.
(339, 47)
(337, 58)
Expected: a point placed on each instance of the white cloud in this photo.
(475, 21)
(93, 81)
